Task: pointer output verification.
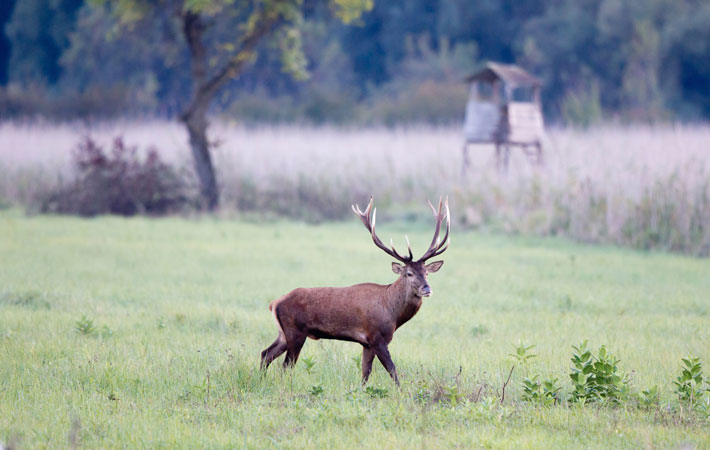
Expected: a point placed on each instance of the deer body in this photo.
(365, 313)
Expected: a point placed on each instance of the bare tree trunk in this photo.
(195, 116)
(196, 123)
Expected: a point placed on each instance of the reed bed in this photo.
(640, 186)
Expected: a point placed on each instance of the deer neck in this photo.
(402, 303)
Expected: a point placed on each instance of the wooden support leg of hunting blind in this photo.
(538, 150)
(466, 160)
(498, 156)
(502, 156)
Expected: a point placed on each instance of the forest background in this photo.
(402, 62)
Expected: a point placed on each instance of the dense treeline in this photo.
(403, 61)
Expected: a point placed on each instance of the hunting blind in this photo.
(504, 109)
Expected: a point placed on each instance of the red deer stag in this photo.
(366, 313)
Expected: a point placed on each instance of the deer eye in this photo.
(410, 274)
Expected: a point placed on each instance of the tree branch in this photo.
(193, 28)
(205, 89)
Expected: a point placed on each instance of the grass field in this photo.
(179, 308)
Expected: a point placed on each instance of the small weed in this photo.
(316, 390)
(443, 390)
(545, 392)
(702, 408)
(453, 394)
(479, 330)
(523, 353)
(650, 398)
(161, 323)
(308, 364)
(376, 392)
(106, 332)
(85, 326)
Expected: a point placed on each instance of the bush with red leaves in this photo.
(119, 182)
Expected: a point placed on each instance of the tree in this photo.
(214, 62)
(38, 33)
(6, 8)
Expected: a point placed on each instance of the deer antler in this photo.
(436, 247)
(370, 225)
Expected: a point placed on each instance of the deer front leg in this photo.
(368, 355)
(383, 354)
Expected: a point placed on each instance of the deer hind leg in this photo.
(274, 351)
(294, 344)
(368, 355)
(383, 354)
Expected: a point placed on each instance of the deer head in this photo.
(412, 273)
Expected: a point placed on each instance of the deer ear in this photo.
(433, 267)
(397, 268)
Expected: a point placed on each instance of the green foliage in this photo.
(85, 326)
(689, 385)
(545, 392)
(582, 107)
(523, 353)
(38, 32)
(638, 59)
(650, 398)
(596, 378)
(316, 390)
(376, 392)
(308, 363)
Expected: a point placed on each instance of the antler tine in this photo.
(409, 247)
(436, 214)
(370, 225)
(438, 247)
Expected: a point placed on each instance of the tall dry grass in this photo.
(646, 187)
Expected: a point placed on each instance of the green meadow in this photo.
(146, 333)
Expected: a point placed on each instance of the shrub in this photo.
(118, 182)
(597, 378)
(688, 385)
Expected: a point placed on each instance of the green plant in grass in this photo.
(596, 378)
(523, 353)
(308, 364)
(85, 326)
(106, 332)
(650, 398)
(542, 392)
(316, 390)
(689, 384)
(376, 392)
